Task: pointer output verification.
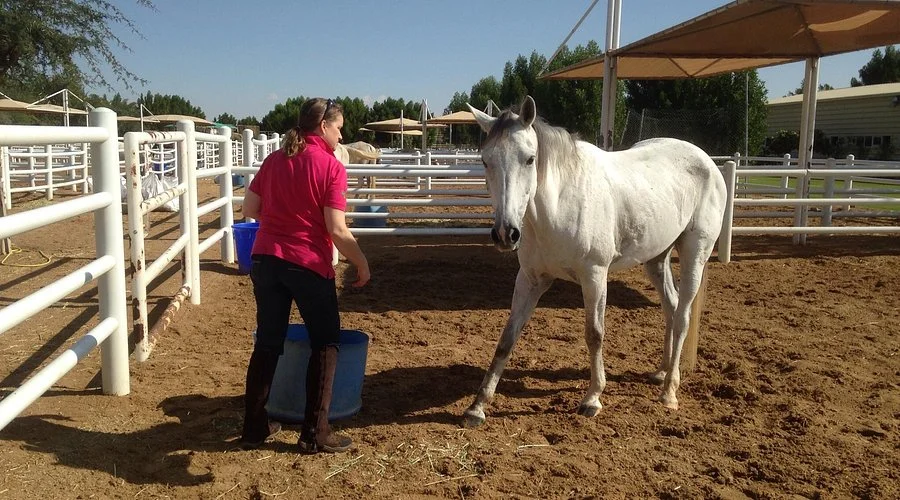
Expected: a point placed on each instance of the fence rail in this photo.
(108, 268)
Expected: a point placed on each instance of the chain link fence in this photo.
(713, 130)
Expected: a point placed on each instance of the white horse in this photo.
(576, 212)
(357, 152)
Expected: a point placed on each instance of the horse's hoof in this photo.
(671, 404)
(657, 377)
(472, 419)
(589, 411)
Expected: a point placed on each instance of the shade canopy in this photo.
(53, 108)
(455, 118)
(24, 107)
(176, 118)
(749, 34)
(394, 125)
(12, 105)
(411, 131)
(146, 119)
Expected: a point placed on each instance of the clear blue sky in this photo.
(244, 57)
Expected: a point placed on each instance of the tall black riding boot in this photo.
(257, 427)
(316, 434)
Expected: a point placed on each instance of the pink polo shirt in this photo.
(294, 193)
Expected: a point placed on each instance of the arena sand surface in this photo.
(795, 396)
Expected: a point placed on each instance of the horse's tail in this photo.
(689, 350)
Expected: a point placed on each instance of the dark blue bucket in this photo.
(287, 399)
(244, 236)
(373, 222)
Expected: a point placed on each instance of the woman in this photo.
(298, 197)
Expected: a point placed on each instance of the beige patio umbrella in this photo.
(455, 118)
(395, 132)
(175, 118)
(393, 125)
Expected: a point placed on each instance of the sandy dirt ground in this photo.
(796, 395)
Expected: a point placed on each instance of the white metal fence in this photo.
(43, 168)
(417, 194)
(188, 245)
(108, 268)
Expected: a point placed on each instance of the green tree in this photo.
(799, 90)
(462, 134)
(716, 121)
(226, 118)
(356, 114)
(485, 90)
(44, 39)
(520, 79)
(283, 116)
(248, 120)
(882, 68)
(170, 104)
(575, 104)
(457, 103)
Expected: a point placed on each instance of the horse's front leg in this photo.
(593, 289)
(525, 298)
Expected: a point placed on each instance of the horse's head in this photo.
(510, 168)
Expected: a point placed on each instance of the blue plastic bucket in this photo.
(367, 222)
(287, 398)
(244, 236)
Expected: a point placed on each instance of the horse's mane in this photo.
(553, 142)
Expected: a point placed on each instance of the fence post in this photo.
(226, 213)
(84, 170)
(730, 174)
(5, 243)
(786, 164)
(247, 143)
(109, 236)
(801, 211)
(262, 150)
(829, 193)
(5, 183)
(848, 182)
(193, 260)
(139, 323)
(428, 179)
(32, 163)
(48, 151)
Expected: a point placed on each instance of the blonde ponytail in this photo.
(294, 142)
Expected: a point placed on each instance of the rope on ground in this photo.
(14, 250)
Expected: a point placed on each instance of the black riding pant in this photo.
(276, 284)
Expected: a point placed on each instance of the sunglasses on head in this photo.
(328, 105)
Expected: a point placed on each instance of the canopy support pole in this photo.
(610, 70)
(807, 133)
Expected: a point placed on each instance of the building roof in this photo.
(844, 93)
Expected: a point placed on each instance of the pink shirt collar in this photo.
(319, 141)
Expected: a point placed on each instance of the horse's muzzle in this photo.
(508, 240)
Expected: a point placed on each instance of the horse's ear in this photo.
(528, 112)
(485, 121)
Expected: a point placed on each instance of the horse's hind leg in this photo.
(525, 298)
(594, 291)
(692, 256)
(660, 272)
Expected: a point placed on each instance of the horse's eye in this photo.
(530, 161)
